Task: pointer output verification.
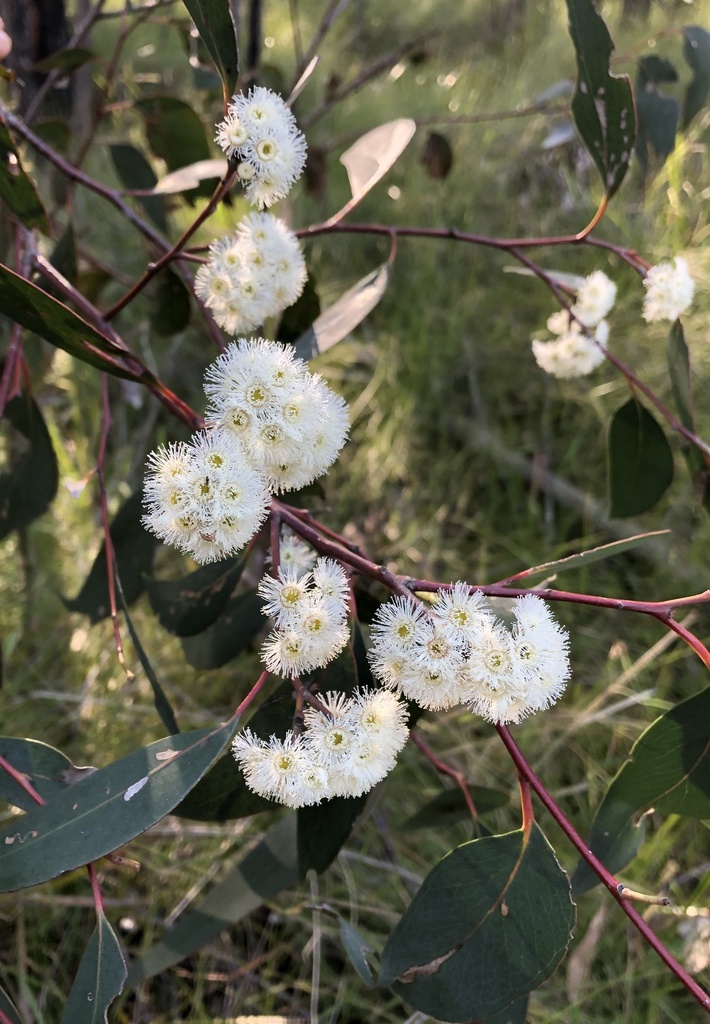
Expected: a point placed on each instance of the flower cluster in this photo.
(203, 498)
(669, 290)
(275, 426)
(288, 422)
(460, 653)
(253, 274)
(577, 349)
(344, 750)
(260, 133)
(310, 613)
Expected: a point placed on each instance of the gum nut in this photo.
(5, 45)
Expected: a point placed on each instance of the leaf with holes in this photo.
(106, 809)
(369, 159)
(490, 923)
(668, 769)
(696, 50)
(214, 21)
(99, 980)
(17, 189)
(133, 547)
(191, 604)
(48, 771)
(28, 488)
(640, 460)
(603, 104)
(344, 315)
(270, 867)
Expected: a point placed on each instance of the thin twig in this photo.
(446, 769)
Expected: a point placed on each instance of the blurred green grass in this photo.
(456, 435)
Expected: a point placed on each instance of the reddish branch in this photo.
(445, 769)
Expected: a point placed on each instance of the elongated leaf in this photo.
(133, 547)
(190, 176)
(234, 630)
(616, 547)
(47, 770)
(357, 949)
(28, 489)
(270, 867)
(33, 308)
(448, 807)
(162, 704)
(169, 304)
(344, 315)
(16, 188)
(322, 830)
(602, 105)
(696, 50)
(679, 372)
(67, 60)
(64, 257)
(657, 114)
(369, 159)
(189, 605)
(298, 318)
(99, 980)
(222, 795)
(640, 460)
(214, 21)
(8, 1008)
(135, 172)
(106, 809)
(174, 132)
(668, 769)
(490, 923)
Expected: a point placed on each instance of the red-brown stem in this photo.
(275, 532)
(445, 769)
(526, 806)
(690, 638)
(4, 1019)
(106, 421)
(305, 694)
(256, 688)
(96, 890)
(525, 771)
(21, 780)
(174, 251)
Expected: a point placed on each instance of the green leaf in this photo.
(64, 60)
(106, 809)
(516, 1013)
(603, 104)
(134, 171)
(322, 830)
(490, 923)
(33, 308)
(174, 132)
(28, 489)
(298, 318)
(679, 372)
(169, 304)
(162, 704)
(696, 50)
(133, 547)
(47, 770)
(234, 630)
(189, 605)
(616, 547)
(17, 189)
(222, 795)
(640, 460)
(64, 257)
(344, 315)
(356, 947)
(657, 114)
(448, 807)
(668, 769)
(214, 21)
(270, 867)
(99, 980)
(8, 1008)
(369, 159)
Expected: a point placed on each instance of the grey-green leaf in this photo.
(603, 104)
(28, 488)
(270, 867)
(640, 460)
(668, 769)
(191, 604)
(490, 923)
(99, 980)
(47, 770)
(106, 809)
